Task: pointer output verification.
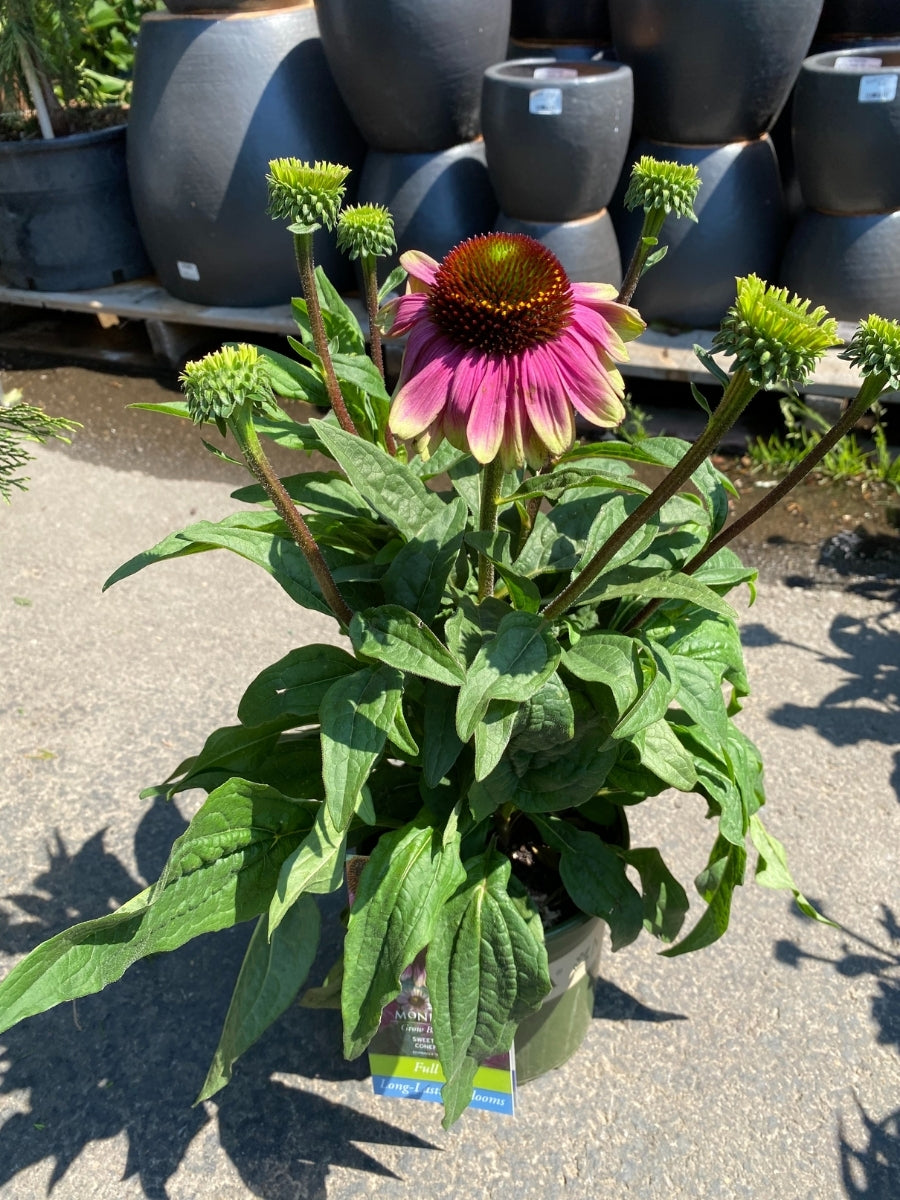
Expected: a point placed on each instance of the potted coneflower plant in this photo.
(531, 642)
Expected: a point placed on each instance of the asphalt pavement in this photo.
(766, 1067)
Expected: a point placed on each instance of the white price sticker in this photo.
(188, 271)
(547, 102)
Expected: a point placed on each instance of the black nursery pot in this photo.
(740, 231)
(587, 248)
(846, 130)
(556, 135)
(66, 219)
(199, 149)
(410, 71)
(711, 71)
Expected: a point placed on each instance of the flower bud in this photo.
(216, 385)
(308, 195)
(875, 349)
(668, 187)
(366, 231)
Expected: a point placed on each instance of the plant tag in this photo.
(188, 270)
(403, 1059)
(857, 62)
(546, 102)
(555, 73)
(877, 89)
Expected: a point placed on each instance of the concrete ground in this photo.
(766, 1067)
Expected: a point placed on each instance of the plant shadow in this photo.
(132, 1058)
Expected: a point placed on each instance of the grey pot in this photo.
(851, 264)
(846, 130)
(410, 71)
(711, 71)
(437, 200)
(556, 135)
(587, 248)
(199, 151)
(740, 231)
(224, 7)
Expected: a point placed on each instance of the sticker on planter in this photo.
(546, 102)
(877, 89)
(555, 73)
(188, 271)
(857, 62)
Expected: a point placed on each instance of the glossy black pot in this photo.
(556, 135)
(410, 72)
(561, 20)
(199, 150)
(707, 71)
(851, 264)
(740, 230)
(66, 219)
(587, 248)
(436, 200)
(846, 130)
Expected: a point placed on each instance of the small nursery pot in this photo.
(740, 230)
(436, 200)
(556, 135)
(550, 1037)
(587, 247)
(851, 264)
(846, 130)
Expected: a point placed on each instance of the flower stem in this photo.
(370, 279)
(737, 395)
(303, 252)
(871, 389)
(653, 223)
(241, 424)
(491, 482)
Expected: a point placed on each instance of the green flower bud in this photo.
(659, 186)
(774, 338)
(366, 231)
(875, 349)
(307, 194)
(216, 385)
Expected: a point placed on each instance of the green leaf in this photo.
(356, 716)
(661, 752)
(221, 871)
(658, 690)
(772, 870)
(594, 876)
(295, 685)
(487, 971)
(405, 885)
(234, 750)
(665, 900)
(395, 279)
(611, 659)
(419, 571)
(316, 866)
(492, 735)
(665, 585)
(546, 720)
(700, 695)
(717, 883)
(293, 380)
(271, 975)
(396, 636)
(441, 745)
(510, 666)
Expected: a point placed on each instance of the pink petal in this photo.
(421, 268)
(422, 397)
(484, 430)
(600, 298)
(516, 428)
(593, 389)
(545, 400)
(467, 380)
(406, 311)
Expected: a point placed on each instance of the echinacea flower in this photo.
(502, 347)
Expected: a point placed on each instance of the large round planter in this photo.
(561, 20)
(198, 150)
(223, 7)
(550, 1036)
(846, 130)
(587, 248)
(66, 220)
(740, 230)
(410, 72)
(859, 19)
(851, 264)
(707, 71)
(556, 135)
(437, 200)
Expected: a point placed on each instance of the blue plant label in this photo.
(546, 102)
(877, 89)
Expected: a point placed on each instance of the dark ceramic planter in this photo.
(859, 19)
(851, 264)
(740, 230)
(66, 219)
(707, 71)
(561, 20)
(587, 248)
(199, 150)
(560, 51)
(556, 135)
(410, 72)
(846, 130)
(437, 200)
(224, 7)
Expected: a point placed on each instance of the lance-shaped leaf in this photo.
(394, 635)
(295, 686)
(665, 900)
(419, 571)
(772, 869)
(406, 883)
(316, 866)
(716, 885)
(486, 970)
(222, 870)
(512, 665)
(356, 715)
(594, 876)
(610, 659)
(441, 746)
(271, 975)
(492, 734)
(234, 750)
